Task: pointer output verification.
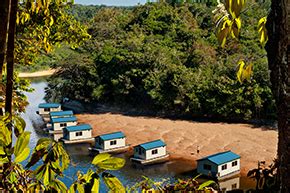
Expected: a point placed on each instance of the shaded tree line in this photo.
(166, 59)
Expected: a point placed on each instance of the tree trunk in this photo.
(10, 56)
(4, 15)
(277, 50)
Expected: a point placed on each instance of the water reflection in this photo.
(229, 184)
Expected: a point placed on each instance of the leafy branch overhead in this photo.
(228, 21)
(263, 31)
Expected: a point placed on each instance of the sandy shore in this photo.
(183, 137)
(36, 74)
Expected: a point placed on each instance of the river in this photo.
(81, 160)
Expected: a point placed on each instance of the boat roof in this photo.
(48, 105)
(61, 113)
(81, 127)
(222, 157)
(63, 119)
(114, 135)
(152, 144)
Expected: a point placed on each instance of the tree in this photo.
(278, 57)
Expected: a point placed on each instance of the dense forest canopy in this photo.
(165, 58)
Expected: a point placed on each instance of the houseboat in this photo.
(58, 114)
(57, 124)
(45, 108)
(110, 143)
(220, 165)
(150, 152)
(77, 134)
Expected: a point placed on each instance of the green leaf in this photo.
(58, 185)
(263, 31)
(80, 188)
(23, 155)
(19, 125)
(240, 71)
(12, 177)
(4, 160)
(224, 31)
(47, 176)
(2, 152)
(113, 183)
(21, 143)
(100, 157)
(51, 21)
(112, 164)
(96, 186)
(245, 71)
(206, 184)
(5, 134)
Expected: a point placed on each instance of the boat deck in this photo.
(87, 140)
(114, 150)
(160, 159)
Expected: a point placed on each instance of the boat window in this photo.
(46, 109)
(234, 163)
(63, 124)
(154, 151)
(224, 167)
(114, 142)
(79, 133)
(234, 186)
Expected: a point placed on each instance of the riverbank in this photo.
(36, 74)
(182, 137)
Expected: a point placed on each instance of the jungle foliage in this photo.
(167, 59)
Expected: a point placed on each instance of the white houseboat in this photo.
(57, 124)
(77, 134)
(219, 165)
(58, 114)
(150, 152)
(110, 143)
(45, 108)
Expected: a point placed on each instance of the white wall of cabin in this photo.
(42, 112)
(230, 169)
(121, 142)
(85, 135)
(161, 151)
(57, 127)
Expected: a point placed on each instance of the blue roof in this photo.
(60, 113)
(110, 136)
(63, 119)
(152, 144)
(221, 158)
(78, 127)
(48, 105)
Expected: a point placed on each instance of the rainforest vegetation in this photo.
(165, 58)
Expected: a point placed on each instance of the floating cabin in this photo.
(58, 114)
(57, 124)
(46, 108)
(77, 134)
(150, 152)
(219, 165)
(111, 142)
